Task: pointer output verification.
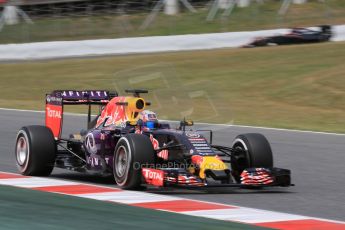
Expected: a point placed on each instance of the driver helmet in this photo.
(149, 118)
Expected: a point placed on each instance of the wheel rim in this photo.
(240, 159)
(22, 151)
(121, 162)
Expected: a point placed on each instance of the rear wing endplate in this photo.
(56, 100)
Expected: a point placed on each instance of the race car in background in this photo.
(296, 36)
(127, 141)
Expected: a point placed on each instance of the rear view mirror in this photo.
(186, 123)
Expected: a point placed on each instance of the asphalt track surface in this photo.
(317, 162)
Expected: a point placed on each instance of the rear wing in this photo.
(56, 100)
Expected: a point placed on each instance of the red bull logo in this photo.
(121, 110)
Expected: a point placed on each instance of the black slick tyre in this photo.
(251, 150)
(131, 153)
(35, 151)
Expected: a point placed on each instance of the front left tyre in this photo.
(132, 153)
(35, 151)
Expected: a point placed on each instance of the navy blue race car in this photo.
(296, 36)
(128, 141)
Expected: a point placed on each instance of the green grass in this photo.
(299, 87)
(255, 17)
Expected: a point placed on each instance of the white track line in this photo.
(246, 215)
(31, 182)
(202, 123)
(129, 197)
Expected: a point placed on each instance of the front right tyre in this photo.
(251, 150)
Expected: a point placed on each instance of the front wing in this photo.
(250, 178)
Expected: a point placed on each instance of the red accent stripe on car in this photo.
(181, 205)
(10, 176)
(307, 224)
(76, 189)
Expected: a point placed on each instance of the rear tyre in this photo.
(252, 150)
(35, 151)
(131, 153)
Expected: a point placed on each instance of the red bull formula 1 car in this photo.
(127, 141)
